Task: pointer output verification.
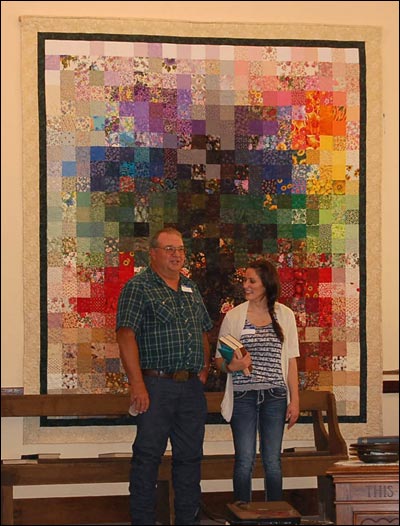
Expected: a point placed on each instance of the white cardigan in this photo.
(233, 323)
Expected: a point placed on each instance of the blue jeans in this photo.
(263, 412)
(178, 411)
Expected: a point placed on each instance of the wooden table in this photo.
(366, 493)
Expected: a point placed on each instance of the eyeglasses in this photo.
(170, 250)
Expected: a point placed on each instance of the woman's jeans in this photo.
(178, 411)
(263, 411)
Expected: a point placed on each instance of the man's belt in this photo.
(177, 376)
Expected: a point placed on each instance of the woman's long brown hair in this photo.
(270, 279)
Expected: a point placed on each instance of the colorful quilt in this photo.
(250, 147)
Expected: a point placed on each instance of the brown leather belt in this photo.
(177, 376)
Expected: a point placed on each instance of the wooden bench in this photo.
(329, 443)
(330, 448)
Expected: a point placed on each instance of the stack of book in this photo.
(376, 449)
(231, 347)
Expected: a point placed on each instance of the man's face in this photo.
(169, 255)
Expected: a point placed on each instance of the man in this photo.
(161, 333)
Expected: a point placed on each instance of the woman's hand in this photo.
(238, 364)
(292, 413)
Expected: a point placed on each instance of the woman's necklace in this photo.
(259, 317)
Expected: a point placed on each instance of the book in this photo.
(12, 390)
(231, 341)
(41, 456)
(229, 347)
(117, 454)
(19, 461)
(300, 449)
(381, 439)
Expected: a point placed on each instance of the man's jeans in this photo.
(178, 411)
(263, 411)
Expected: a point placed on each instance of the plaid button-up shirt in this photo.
(168, 324)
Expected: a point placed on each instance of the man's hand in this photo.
(203, 374)
(140, 400)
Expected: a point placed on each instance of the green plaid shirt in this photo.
(168, 324)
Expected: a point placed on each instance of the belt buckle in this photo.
(181, 376)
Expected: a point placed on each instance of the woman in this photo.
(269, 396)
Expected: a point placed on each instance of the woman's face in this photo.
(253, 287)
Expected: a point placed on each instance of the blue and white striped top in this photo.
(265, 349)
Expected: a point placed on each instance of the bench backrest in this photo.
(322, 404)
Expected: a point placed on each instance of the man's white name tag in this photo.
(186, 289)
